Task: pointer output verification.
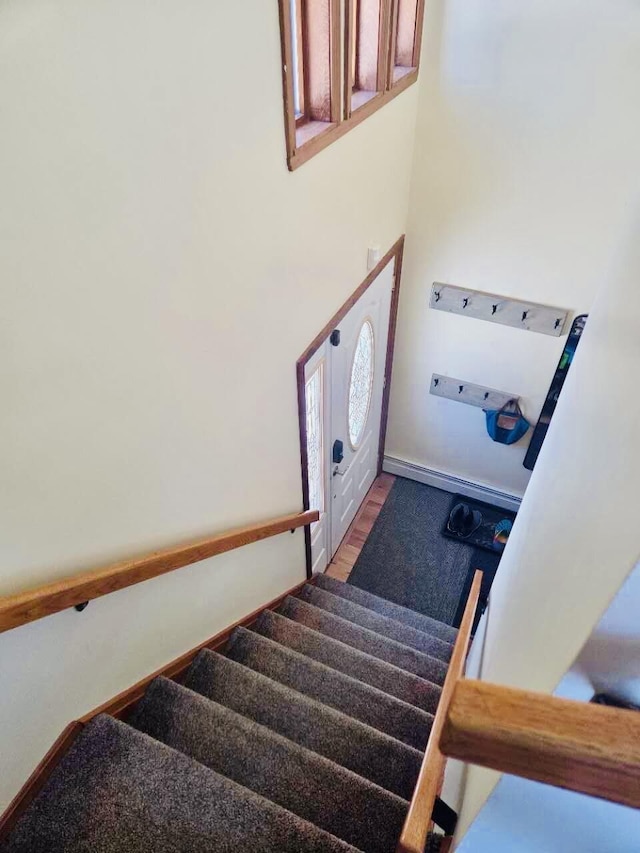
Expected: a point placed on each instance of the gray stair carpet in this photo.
(346, 740)
(296, 778)
(363, 667)
(367, 641)
(366, 618)
(118, 790)
(304, 735)
(388, 608)
(367, 704)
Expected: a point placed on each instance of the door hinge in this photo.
(334, 338)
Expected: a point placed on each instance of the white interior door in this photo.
(344, 384)
(357, 365)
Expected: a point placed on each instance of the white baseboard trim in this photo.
(449, 483)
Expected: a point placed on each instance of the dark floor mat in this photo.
(407, 560)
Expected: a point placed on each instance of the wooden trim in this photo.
(334, 132)
(44, 600)
(393, 37)
(348, 81)
(417, 44)
(384, 38)
(335, 58)
(396, 251)
(119, 707)
(287, 77)
(418, 820)
(579, 746)
(36, 782)
(391, 343)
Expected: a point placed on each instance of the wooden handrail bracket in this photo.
(418, 820)
(42, 601)
(576, 745)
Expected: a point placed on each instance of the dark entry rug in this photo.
(406, 559)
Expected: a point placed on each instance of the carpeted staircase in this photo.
(305, 734)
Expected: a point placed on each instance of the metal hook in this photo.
(435, 383)
(558, 321)
(524, 315)
(460, 389)
(465, 302)
(494, 308)
(486, 395)
(437, 294)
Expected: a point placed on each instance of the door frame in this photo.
(394, 253)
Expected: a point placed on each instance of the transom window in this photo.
(360, 384)
(328, 89)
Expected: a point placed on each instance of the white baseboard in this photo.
(449, 483)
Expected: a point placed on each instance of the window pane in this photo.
(407, 12)
(368, 43)
(315, 443)
(296, 53)
(317, 32)
(361, 384)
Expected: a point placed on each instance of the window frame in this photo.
(305, 135)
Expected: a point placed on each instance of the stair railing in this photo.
(589, 748)
(77, 590)
(580, 746)
(418, 820)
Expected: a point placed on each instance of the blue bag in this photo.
(507, 425)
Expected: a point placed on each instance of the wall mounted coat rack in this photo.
(498, 309)
(467, 392)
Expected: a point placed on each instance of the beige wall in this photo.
(525, 163)
(161, 272)
(576, 536)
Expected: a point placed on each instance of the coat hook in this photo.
(494, 308)
(460, 388)
(486, 395)
(435, 382)
(558, 321)
(437, 295)
(465, 302)
(524, 315)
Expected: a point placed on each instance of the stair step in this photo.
(394, 611)
(391, 651)
(258, 758)
(389, 715)
(347, 741)
(119, 790)
(425, 643)
(377, 673)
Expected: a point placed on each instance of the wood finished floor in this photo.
(349, 551)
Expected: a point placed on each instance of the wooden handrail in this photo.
(416, 825)
(44, 600)
(120, 706)
(575, 745)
